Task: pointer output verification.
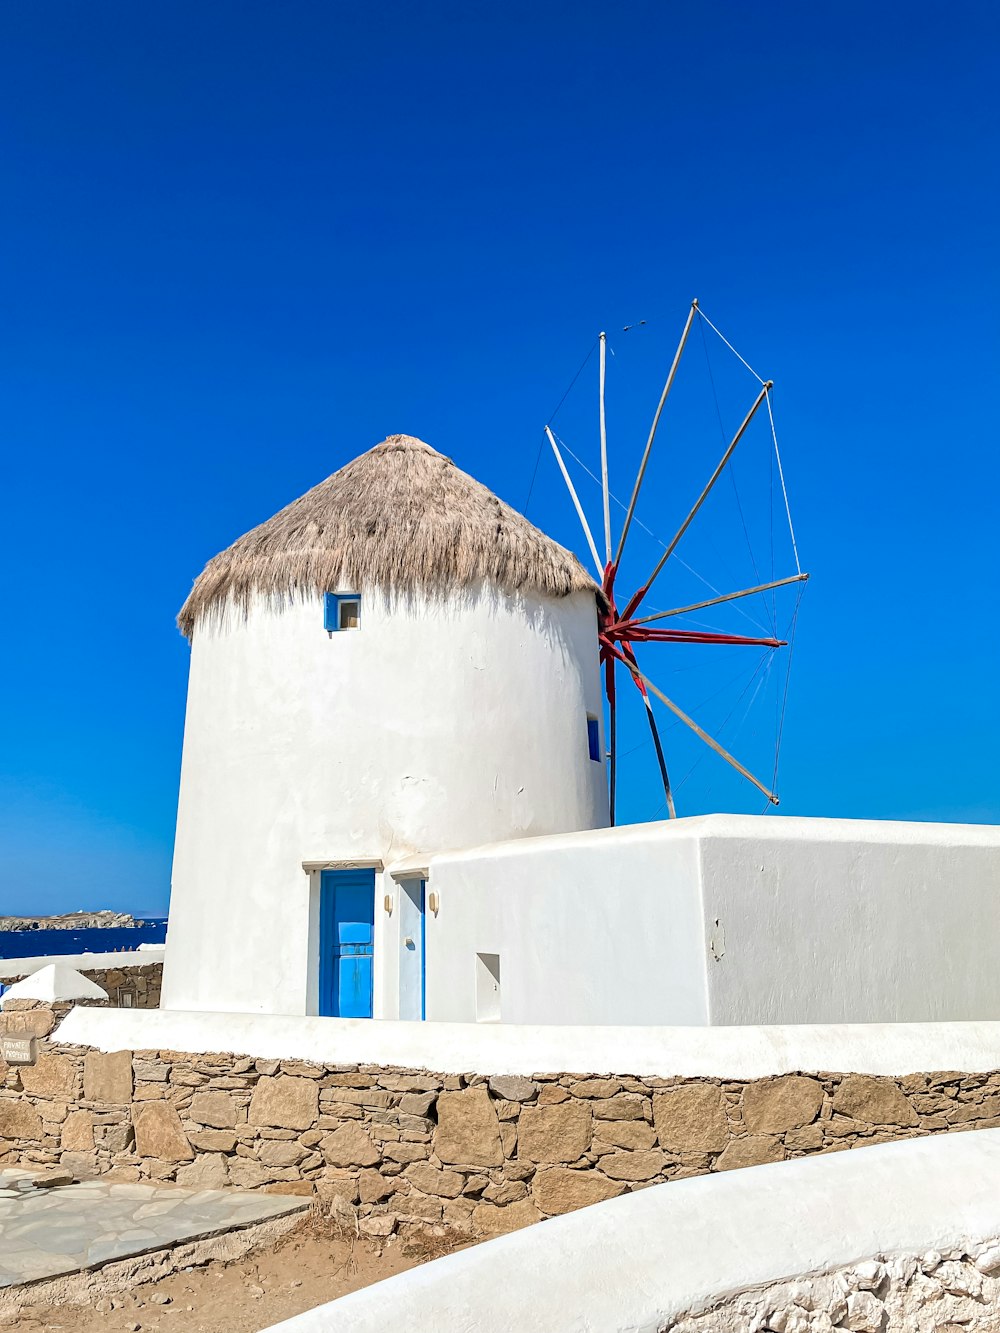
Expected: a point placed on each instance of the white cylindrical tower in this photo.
(396, 664)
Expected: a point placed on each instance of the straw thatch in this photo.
(402, 518)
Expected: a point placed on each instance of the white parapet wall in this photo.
(720, 920)
(900, 1236)
(82, 962)
(684, 1052)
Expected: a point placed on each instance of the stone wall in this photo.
(955, 1292)
(127, 987)
(484, 1153)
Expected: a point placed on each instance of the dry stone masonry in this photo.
(485, 1154)
(957, 1292)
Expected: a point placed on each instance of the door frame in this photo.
(352, 879)
(404, 884)
(313, 869)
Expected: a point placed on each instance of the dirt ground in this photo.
(315, 1263)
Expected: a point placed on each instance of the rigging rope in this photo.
(774, 434)
(731, 469)
(784, 491)
(552, 414)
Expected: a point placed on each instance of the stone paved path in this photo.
(48, 1233)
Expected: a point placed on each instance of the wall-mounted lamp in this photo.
(434, 903)
(387, 903)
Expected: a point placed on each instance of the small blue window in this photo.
(593, 739)
(341, 610)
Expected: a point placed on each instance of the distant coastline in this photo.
(103, 920)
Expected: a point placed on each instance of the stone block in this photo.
(551, 1094)
(503, 1192)
(559, 1190)
(116, 1138)
(490, 1220)
(634, 1165)
(446, 1184)
(213, 1108)
(212, 1140)
(807, 1139)
(350, 1145)
(630, 1134)
(276, 1153)
(513, 1087)
(27, 1023)
(595, 1087)
(305, 1188)
(417, 1103)
(78, 1132)
(107, 1078)
(691, 1118)
(159, 1133)
(875, 1101)
(406, 1152)
(468, 1132)
(752, 1151)
(83, 1165)
(774, 1105)
(336, 1185)
(285, 1102)
(961, 1113)
(19, 1120)
(209, 1171)
(373, 1187)
(250, 1175)
(555, 1133)
(625, 1106)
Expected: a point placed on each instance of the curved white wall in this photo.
(640, 1263)
(437, 725)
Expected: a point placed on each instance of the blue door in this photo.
(346, 938)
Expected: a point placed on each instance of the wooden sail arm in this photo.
(724, 597)
(652, 432)
(576, 502)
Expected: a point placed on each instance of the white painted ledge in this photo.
(637, 1262)
(83, 962)
(498, 1048)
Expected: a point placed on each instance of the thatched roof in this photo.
(401, 517)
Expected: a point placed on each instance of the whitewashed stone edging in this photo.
(860, 1241)
(689, 1052)
(83, 962)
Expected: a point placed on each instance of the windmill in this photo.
(621, 627)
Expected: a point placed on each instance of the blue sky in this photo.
(243, 242)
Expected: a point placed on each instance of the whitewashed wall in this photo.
(891, 1049)
(434, 726)
(725, 920)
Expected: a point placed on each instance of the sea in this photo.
(111, 939)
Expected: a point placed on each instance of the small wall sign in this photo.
(19, 1050)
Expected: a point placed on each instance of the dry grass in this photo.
(403, 518)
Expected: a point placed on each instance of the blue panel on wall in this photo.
(594, 739)
(346, 943)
